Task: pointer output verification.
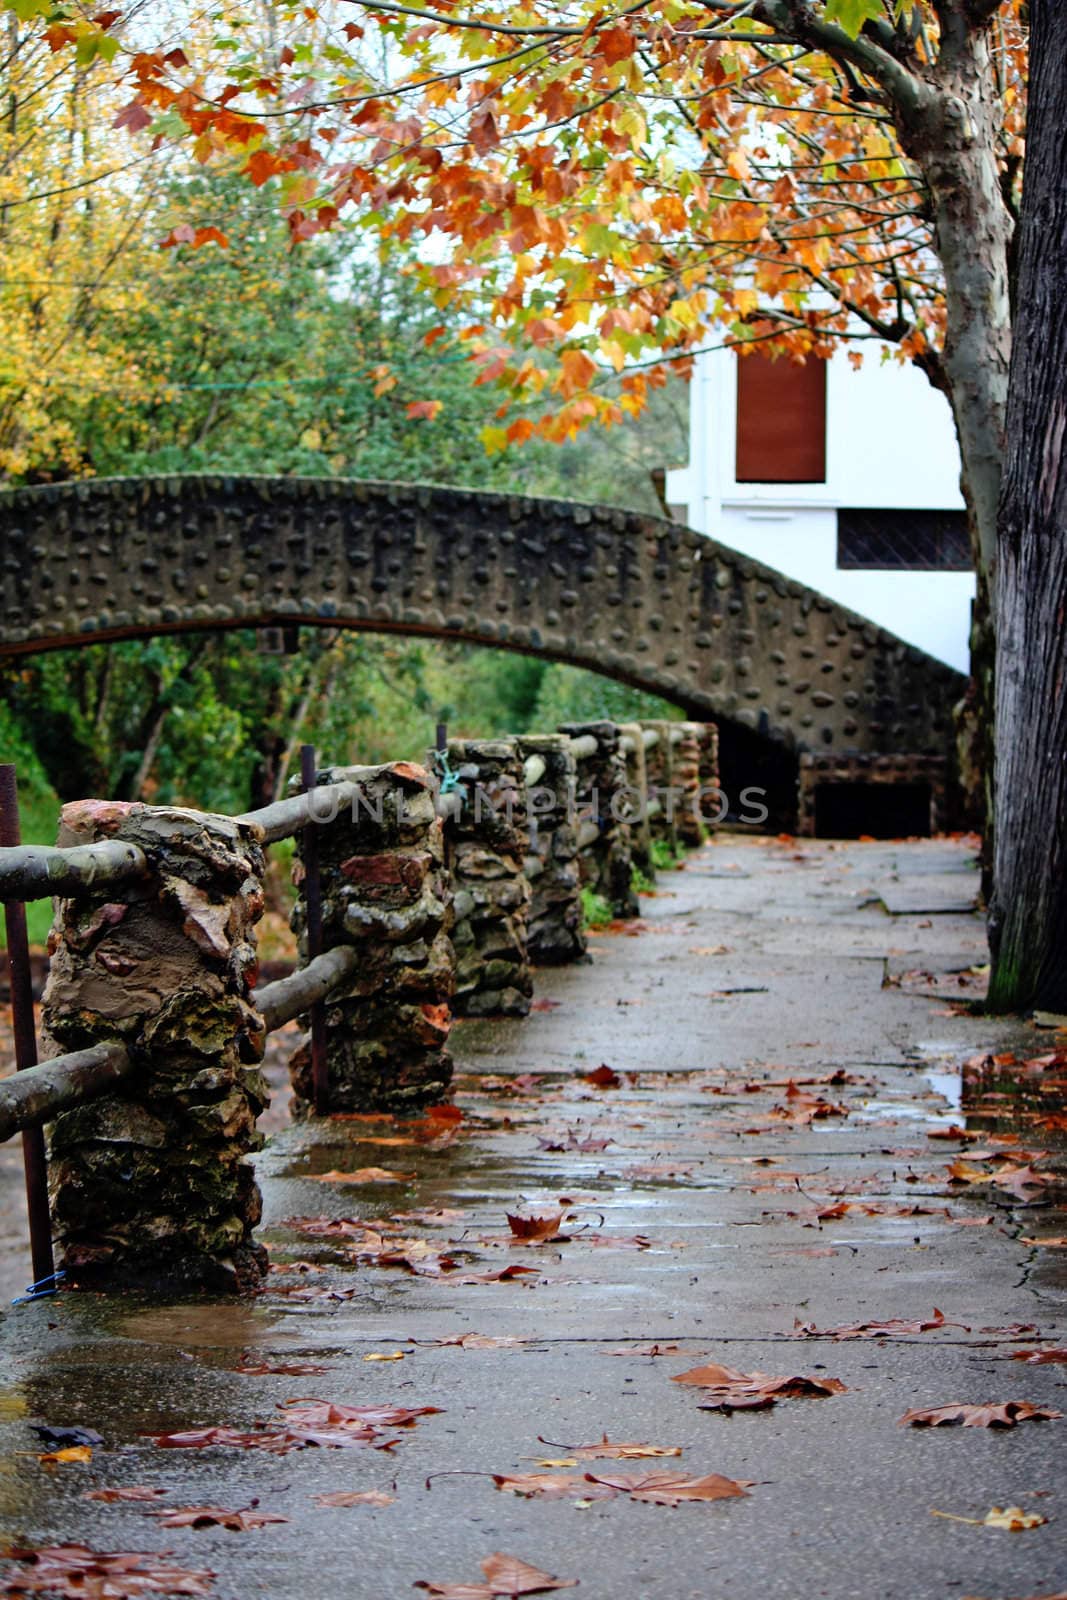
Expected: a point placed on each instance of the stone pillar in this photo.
(662, 784)
(604, 801)
(384, 890)
(637, 778)
(149, 1185)
(556, 934)
(712, 800)
(692, 830)
(487, 843)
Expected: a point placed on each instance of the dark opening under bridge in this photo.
(638, 599)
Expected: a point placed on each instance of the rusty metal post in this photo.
(34, 1158)
(313, 901)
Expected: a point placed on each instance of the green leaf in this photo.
(852, 14)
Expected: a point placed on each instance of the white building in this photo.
(845, 479)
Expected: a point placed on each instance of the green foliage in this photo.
(596, 912)
(568, 694)
(641, 882)
(664, 858)
(38, 811)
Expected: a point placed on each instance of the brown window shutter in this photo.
(781, 420)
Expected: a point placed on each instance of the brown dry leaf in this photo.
(131, 1493)
(1054, 1242)
(604, 1077)
(506, 1577)
(993, 1415)
(361, 1497)
(75, 1571)
(362, 1175)
(547, 1485)
(729, 1390)
(72, 1455)
(605, 1450)
(481, 1341)
(1041, 1358)
(668, 1489)
(649, 1350)
(1013, 1519)
(282, 1369)
(877, 1330)
(214, 1517)
(534, 1229)
(498, 1274)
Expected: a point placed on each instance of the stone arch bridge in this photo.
(635, 598)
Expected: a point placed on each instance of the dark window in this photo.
(921, 541)
(781, 420)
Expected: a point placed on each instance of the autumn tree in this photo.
(1028, 917)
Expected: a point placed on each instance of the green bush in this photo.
(596, 912)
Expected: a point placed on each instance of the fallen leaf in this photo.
(498, 1275)
(1012, 1518)
(505, 1578)
(362, 1175)
(667, 1489)
(603, 1077)
(76, 1571)
(649, 1350)
(605, 1450)
(61, 1438)
(877, 1330)
(132, 1493)
(73, 1454)
(282, 1369)
(481, 1341)
(359, 1497)
(385, 1355)
(729, 1390)
(1041, 1358)
(532, 1229)
(1054, 1242)
(214, 1517)
(1003, 1415)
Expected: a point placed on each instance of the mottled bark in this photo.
(1028, 915)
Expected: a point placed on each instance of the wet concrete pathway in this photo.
(736, 1114)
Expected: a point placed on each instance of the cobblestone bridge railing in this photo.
(423, 892)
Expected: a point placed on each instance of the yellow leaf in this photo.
(737, 165)
(64, 1458)
(385, 1355)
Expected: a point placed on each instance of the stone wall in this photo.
(606, 862)
(384, 890)
(488, 840)
(555, 931)
(150, 1184)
